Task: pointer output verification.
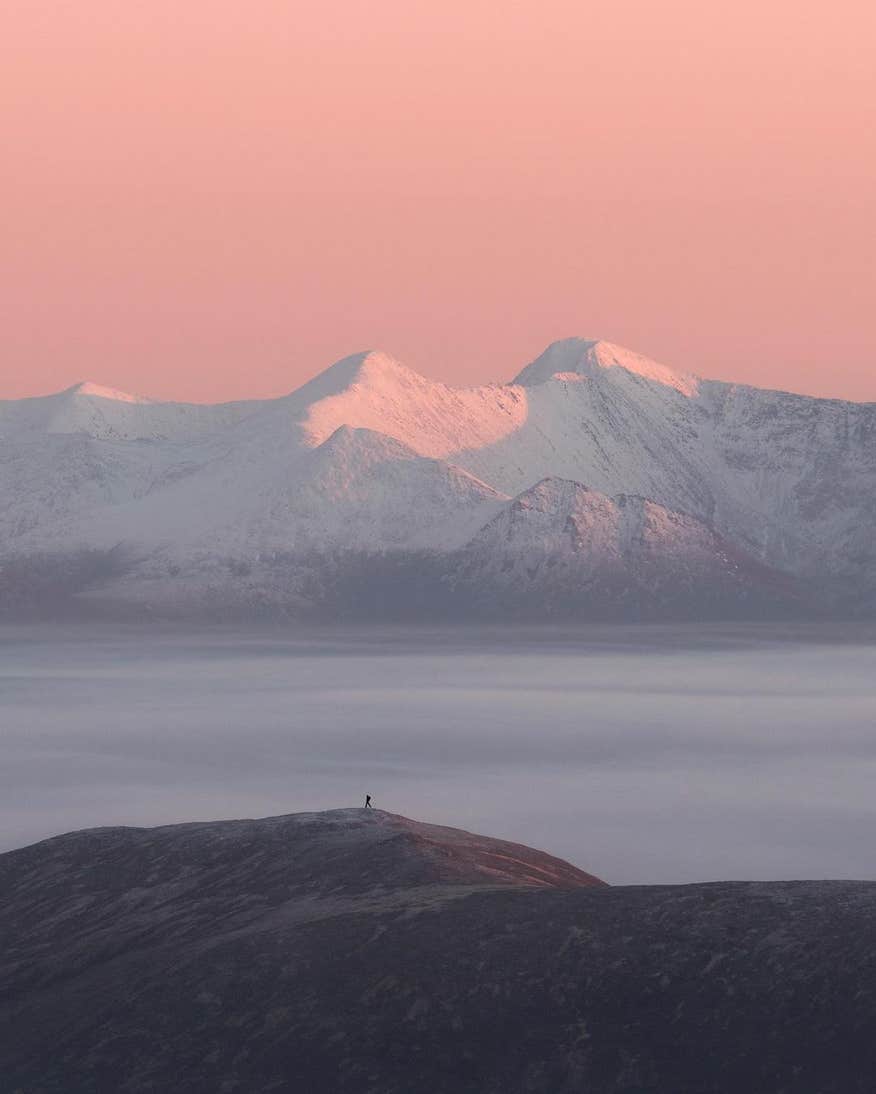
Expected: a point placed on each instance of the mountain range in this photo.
(598, 483)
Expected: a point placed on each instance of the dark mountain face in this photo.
(361, 951)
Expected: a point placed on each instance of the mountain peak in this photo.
(360, 442)
(335, 851)
(97, 391)
(371, 368)
(582, 358)
(552, 491)
(377, 392)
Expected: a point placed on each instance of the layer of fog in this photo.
(642, 754)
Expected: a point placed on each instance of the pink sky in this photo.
(210, 200)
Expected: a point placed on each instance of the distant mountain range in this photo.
(597, 484)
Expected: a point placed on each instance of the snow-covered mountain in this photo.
(571, 551)
(596, 477)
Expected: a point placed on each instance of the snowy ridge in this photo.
(98, 391)
(682, 475)
(579, 359)
(574, 549)
(361, 488)
(373, 391)
(105, 414)
(557, 516)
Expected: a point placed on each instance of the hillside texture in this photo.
(353, 951)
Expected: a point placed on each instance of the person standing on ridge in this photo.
(368, 804)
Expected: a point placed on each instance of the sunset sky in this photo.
(212, 200)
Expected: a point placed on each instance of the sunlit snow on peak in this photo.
(580, 358)
(98, 391)
(374, 391)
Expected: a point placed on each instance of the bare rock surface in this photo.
(354, 950)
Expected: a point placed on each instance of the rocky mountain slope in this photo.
(252, 504)
(360, 951)
(571, 551)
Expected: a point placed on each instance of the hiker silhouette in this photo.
(368, 804)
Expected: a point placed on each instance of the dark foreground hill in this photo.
(353, 951)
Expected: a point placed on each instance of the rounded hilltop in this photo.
(356, 950)
(337, 851)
